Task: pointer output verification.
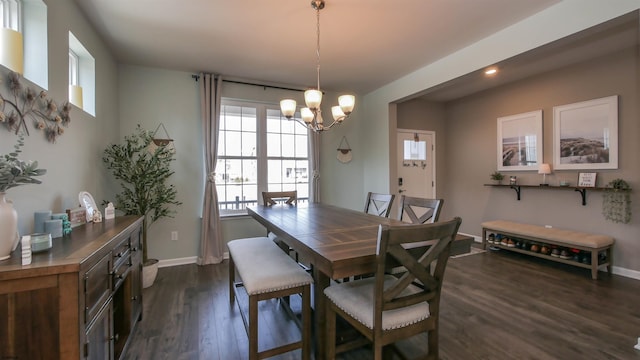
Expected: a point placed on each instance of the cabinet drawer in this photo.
(121, 270)
(97, 287)
(121, 249)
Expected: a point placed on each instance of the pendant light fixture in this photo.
(312, 115)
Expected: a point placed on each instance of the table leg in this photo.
(321, 281)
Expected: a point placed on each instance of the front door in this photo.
(416, 166)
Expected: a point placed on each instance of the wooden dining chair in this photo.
(386, 308)
(289, 198)
(379, 204)
(271, 198)
(420, 210)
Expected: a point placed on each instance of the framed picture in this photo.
(585, 135)
(520, 141)
(587, 179)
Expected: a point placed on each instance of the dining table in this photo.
(337, 243)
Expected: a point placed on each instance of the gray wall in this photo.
(150, 96)
(469, 129)
(73, 162)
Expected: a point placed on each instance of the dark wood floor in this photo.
(495, 305)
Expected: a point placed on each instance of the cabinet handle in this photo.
(134, 298)
(115, 337)
(120, 277)
(119, 254)
(134, 249)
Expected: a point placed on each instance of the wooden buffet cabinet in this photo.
(79, 300)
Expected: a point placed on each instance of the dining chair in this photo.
(271, 198)
(420, 210)
(289, 198)
(379, 204)
(386, 308)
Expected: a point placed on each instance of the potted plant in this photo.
(13, 172)
(496, 177)
(143, 176)
(616, 201)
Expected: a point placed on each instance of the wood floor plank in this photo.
(495, 305)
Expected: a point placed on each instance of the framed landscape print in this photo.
(585, 135)
(520, 141)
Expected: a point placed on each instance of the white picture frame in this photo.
(585, 135)
(520, 142)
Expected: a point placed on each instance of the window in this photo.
(23, 47)
(258, 150)
(11, 14)
(82, 75)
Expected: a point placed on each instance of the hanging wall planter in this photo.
(616, 202)
(344, 151)
(157, 141)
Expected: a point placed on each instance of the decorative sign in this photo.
(587, 180)
(77, 216)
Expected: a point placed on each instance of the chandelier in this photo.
(312, 115)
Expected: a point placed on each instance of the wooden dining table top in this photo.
(340, 242)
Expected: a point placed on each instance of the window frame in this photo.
(74, 64)
(262, 158)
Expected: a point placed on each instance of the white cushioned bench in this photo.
(594, 244)
(268, 273)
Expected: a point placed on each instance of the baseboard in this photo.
(477, 239)
(633, 274)
(178, 261)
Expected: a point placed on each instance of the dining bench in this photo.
(597, 246)
(266, 272)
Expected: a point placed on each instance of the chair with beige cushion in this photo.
(420, 210)
(386, 308)
(379, 204)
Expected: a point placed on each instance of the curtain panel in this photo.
(211, 242)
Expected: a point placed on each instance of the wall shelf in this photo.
(582, 190)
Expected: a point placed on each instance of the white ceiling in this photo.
(364, 44)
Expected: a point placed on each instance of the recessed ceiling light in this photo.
(491, 71)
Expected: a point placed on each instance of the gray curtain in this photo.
(211, 242)
(314, 163)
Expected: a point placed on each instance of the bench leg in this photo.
(594, 264)
(232, 280)
(306, 323)
(484, 239)
(609, 261)
(253, 327)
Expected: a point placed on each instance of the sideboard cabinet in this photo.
(79, 300)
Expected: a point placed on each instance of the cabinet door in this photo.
(97, 287)
(99, 338)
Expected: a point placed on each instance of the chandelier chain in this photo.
(318, 45)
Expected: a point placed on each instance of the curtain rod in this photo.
(197, 77)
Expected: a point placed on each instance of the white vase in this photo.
(8, 228)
